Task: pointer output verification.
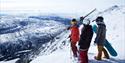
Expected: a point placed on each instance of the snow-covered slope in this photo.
(114, 19)
(49, 41)
(22, 36)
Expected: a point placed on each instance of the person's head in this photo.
(74, 21)
(99, 19)
(86, 22)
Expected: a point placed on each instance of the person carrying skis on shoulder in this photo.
(85, 40)
(100, 38)
(74, 36)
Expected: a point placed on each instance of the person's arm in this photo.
(81, 20)
(68, 28)
(98, 34)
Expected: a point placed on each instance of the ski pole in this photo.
(70, 51)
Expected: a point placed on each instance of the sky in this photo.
(64, 6)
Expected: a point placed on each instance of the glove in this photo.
(81, 18)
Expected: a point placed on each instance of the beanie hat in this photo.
(99, 19)
(74, 20)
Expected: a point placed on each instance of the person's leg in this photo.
(74, 49)
(99, 55)
(106, 55)
(87, 57)
(83, 57)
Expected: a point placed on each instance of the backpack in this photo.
(86, 37)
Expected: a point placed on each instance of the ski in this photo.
(89, 13)
(81, 18)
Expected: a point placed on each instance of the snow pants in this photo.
(101, 50)
(83, 57)
(74, 49)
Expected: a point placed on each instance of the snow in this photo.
(61, 57)
(115, 35)
(58, 50)
(115, 31)
(34, 26)
(11, 61)
(20, 35)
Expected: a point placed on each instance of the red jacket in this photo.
(74, 33)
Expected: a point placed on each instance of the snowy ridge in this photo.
(58, 42)
(115, 7)
(21, 37)
(109, 11)
(113, 35)
(41, 41)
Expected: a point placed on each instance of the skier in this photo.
(85, 40)
(74, 36)
(100, 38)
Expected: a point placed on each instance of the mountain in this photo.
(115, 35)
(23, 36)
(44, 39)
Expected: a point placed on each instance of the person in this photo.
(100, 38)
(74, 36)
(85, 40)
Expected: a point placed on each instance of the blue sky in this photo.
(57, 5)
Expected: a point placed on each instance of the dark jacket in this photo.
(86, 37)
(101, 33)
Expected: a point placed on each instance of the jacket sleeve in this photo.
(98, 34)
